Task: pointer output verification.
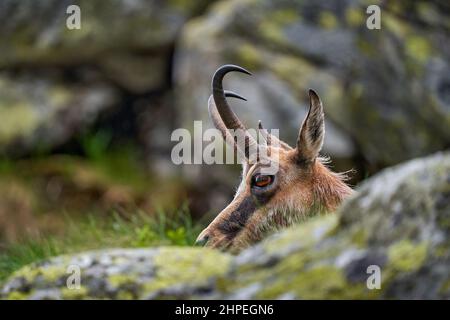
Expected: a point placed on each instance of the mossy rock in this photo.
(121, 274)
(37, 32)
(395, 79)
(41, 112)
(398, 222)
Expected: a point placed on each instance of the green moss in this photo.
(17, 296)
(406, 256)
(18, 111)
(427, 12)
(189, 266)
(250, 56)
(18, 119)
(125, 295)
(418, 48)
(321, 282)
(445, 288)
(284, 17)
(305, 234)
(395, 25)
(288, 68)
(272, 26)
(328, 20)
(118, 280)
(272, 32)
(359, 238)
(59, 96)
(369, 2)
(185, 6)
(225, 8)
(48, 273)
(53, 273)
(29, 273)
(354, 17)
(366, 47)
(80, 36)
(317, 283)
(74, 294)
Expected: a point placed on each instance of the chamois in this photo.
(303, 185)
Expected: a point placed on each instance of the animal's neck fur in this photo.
(329, 188)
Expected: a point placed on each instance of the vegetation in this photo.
(140, 230)
(102, 198)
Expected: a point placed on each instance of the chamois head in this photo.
(301, 187)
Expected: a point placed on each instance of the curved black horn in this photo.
(215, 116)
(229, 118)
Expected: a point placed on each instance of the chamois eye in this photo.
(261, 181)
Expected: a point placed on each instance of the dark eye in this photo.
(261, 181)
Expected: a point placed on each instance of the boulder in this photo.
(47, 92)
(36, 32)
(397, 223)
(395, 79)
(43, 112)
(122, 274)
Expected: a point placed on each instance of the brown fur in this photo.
(302, 187)
(302, 191)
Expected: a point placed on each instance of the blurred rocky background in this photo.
(86, 115)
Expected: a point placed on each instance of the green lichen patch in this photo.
(187, 266)
(15, 295)
(328, 20)
(354, 17)
(75, 293)
(304, 235)
(418, 48)
(250, 56)
(118, 280)
(48, 273)
(406, 256)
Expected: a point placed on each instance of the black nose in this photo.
(201, 241)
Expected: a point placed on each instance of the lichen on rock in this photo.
(396, 79)
(41, 112)
(398, 221)
(121, 274)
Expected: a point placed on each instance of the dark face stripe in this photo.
(237, 220)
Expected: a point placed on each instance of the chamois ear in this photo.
(311, 135)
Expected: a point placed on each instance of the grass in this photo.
(120, 163)
(141, 230)
(101, 166)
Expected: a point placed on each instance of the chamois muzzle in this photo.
(202, 240)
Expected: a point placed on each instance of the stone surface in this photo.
(396, 78)
(42, 112)
(36, 32)
(124, 274)
(398, 221)
(46, 87)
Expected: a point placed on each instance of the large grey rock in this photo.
(398, 221)
(46, 90)
(122, 274)
(387, 90)
(35, 32)
(43, 112)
